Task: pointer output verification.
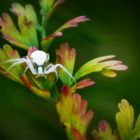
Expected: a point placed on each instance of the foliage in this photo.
(126, 130)
(71, 108)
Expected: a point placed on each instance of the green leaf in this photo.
(109, 73)
(46, 5)
(47, 8)
(27, 11)
(66, 57)
(46, 41)
(28, 31)
(125, 120)
(105, 132)
(10, 32)
(69, 24)
(44, 83)
(137, 126)
(102, 64)
(27, 83)
(17, 9)
(136, 132)
(72, 110)
(92, 66)
(24, 38)
(7, 53)
(73, 23)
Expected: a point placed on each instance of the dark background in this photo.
(113, 29)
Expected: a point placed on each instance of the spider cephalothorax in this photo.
(37, 62)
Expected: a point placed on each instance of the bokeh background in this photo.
(113, 29)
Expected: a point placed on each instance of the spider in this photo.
(38, 63)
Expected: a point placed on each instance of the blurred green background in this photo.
(113, 29)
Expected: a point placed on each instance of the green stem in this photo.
(69, 135)
(45, 20)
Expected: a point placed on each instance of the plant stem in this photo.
(69, 135)
(45, 20)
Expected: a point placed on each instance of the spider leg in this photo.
(30, 66)
(62, 67)
(21, 60)
(12, 60)
(49, 69)
(26, 69)
(17, 61)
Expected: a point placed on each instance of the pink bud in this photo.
(65, 90)
(84, 83)
(103, 126)
(31, 50)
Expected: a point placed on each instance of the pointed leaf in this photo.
(25, 39)
(101, 64)
(136, 132)
(76, 135)
(31, 15)
(10, 32)
(66, 57)
(46, 41)
(46, 5)
(47, 8)
(70, 24)
(73, 23)
(109, 73)
(28, 12)
(28, 31)
(72, 111)
(84, 83)
(105, 132)
(7, 53)
(35, 90)
(125, 119)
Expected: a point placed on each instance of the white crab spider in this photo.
(38, 63)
